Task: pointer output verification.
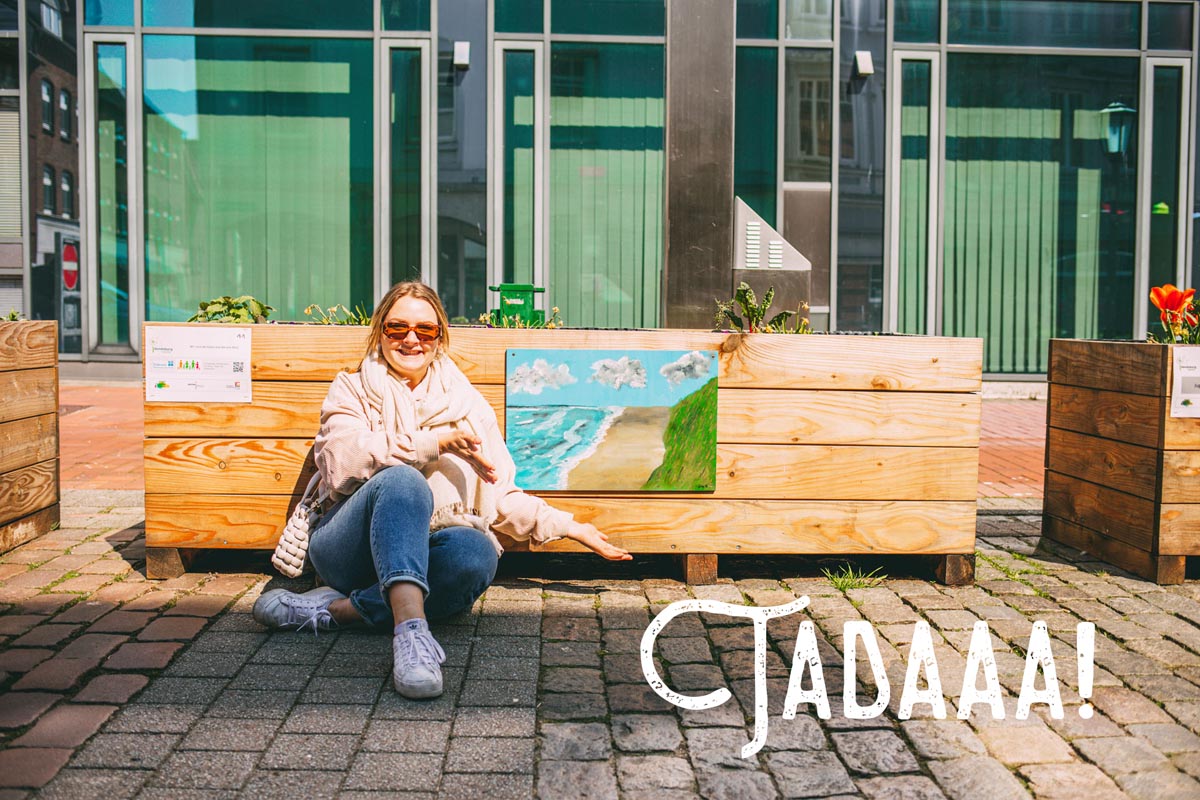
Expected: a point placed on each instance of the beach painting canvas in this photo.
(612, 420)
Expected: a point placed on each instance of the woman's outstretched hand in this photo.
(589, 536)
(467, 447)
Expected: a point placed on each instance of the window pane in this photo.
(406, 15)
(64, 114)
(754, 126)
(1040, 188)
(405, 132)
(757, 19)
(519, 16)
(916, 20)
(519, 185)
(1165, 160)
(1170, 26)
(9, 15)
(606, 183)
(808, 121)
(10, 64)
(913, 210)
(108, 12)
(49, 191)
(1045, 23)
(808, 19)
(608, 17)
(300, 14)
(258, 172)
(112, 194)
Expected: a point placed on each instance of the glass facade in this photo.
(1165, 156)
(1045, 23)
(519, 172)
(912, 251)
(519, 16)
(916, 20)
(404, 177)
(1169, 26)
(258, 172)
(757, 19)
(608, 17)
(282, 14)
(754, 136)
(112, 192)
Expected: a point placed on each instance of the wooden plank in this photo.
(1125, 556)
(645, 525)
(1179, 528)
(28, 393)
(1127, 467)
(880, 363)
(1125, 517)
(698, 569)
(796, 472)
(28, 441)
(768, 416)
(1180, 433)
(27, 528)
(955, 570)
(1181, 476)
(28, 344)
(24, 491)
(1133, 367)
(1120, 416)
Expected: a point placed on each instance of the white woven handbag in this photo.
(291, 553)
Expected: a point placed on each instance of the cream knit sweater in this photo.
(353, 445)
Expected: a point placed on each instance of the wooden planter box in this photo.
(28, 431)
(1122, 475)
(826, 444)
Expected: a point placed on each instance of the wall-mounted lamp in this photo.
(462, 55)
(863, 65)
(1120, 126)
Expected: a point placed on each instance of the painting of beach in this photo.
(609, 420)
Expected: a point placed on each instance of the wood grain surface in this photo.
(29, 489)
(27, 441)
(28, 393)
(28, 344)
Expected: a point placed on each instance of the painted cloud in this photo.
(532, 378)
(690, 366)
(624, 371)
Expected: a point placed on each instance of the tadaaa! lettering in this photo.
(921, 662)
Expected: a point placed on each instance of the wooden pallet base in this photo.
(955, 569)
(28, 528)
(168, 562)
(698, 568)
(1158, 568)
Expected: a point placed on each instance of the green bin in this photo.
(516, 302)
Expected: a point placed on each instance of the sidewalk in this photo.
(114, 686)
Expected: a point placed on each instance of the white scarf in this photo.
(460, 496)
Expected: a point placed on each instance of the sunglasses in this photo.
(425, 331)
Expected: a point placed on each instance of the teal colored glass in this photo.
(916, 20)
(1045, 23)
(344, 15)
(757, 19)
(258, 172)
(1166, 156)
(1169, 26)
(518, 16)
(10, 64)
(405, 15)
(519, 188)
(609, 17)
(108, 12)
(754, 124)
(112, 193)
(808, 115)
(808, 19)
(404, 178)
(1039, 202)
(913, 211)
(606, 183)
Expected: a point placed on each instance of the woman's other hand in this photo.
(467, 447)
(589, 536)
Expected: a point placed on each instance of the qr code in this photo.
(239, 366)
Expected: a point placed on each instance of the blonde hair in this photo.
(407, 289)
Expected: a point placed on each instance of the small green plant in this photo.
(14, 316)
(338, 315)
(753, 315)
(553, 322)
(232, 309)
(847, 577)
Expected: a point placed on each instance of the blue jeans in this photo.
(380, 535)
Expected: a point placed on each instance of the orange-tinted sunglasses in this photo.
(425, 331)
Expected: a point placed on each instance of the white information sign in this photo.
(197, 364)
(1185, 381)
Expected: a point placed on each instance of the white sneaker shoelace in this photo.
(304, 613)
(417, 647)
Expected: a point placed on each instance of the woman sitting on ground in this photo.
(412, 458)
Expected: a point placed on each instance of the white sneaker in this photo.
(286, 610)
(417, 660)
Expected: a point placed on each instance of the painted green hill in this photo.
(690, 462)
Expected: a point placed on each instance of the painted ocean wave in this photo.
(547, 442)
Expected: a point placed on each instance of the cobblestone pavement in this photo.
(118, 687)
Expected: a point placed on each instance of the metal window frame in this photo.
(495, 250)
(891, 261)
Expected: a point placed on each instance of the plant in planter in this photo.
(232, 309)
(1123, 474)
(753, 314)
(338, 315)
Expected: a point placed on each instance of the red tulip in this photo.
(1177, 307)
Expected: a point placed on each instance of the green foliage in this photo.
(847, 577)
(746, 315)
(505, 321)
(232, 309)
(338, 315)
(689, 463)
(14, 316)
